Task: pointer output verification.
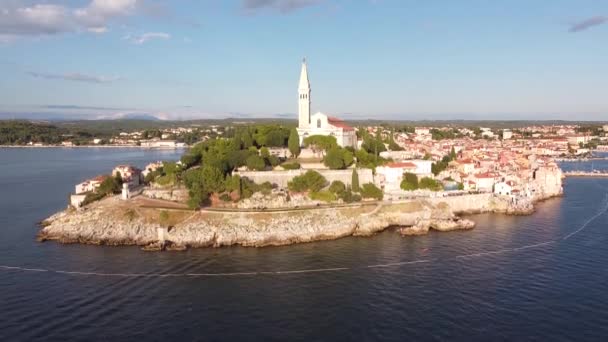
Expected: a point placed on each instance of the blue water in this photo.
(511, 278)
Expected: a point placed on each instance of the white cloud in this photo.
(18, 19)
(76, 77)
(143, 38)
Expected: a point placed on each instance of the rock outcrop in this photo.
(113, 222)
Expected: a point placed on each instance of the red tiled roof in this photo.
(405, 165)
(485, 175)
(336, 122)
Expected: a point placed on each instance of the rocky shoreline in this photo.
(113, 222)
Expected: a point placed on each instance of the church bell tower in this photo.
(304, 98)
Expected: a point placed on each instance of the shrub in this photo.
(233, 183)
(248, 187)
(431, 184)
(325, 196)
(130, 214)
(165, 180)
(369, 190)
(273, 161)
(311, 180)
(255, 163)
(291, 166)
(92, 197)
(225, 198)
(337, 187)
(348, 197)
(163, 217)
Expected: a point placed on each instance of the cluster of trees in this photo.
(452, 133)
(410, 182)
(334, 156)
(315, 183)
(261, 135)
(336, 190)
(310, 181)
(208, 166)
(109, 186)
(20, 132)
(438, 167)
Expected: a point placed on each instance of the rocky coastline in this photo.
(113, 222)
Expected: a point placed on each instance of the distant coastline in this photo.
(98, 146)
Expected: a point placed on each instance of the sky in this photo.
(377, 59)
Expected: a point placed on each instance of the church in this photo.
(319, 123)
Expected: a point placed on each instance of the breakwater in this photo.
(585, 174)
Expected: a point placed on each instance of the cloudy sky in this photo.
(409, 59)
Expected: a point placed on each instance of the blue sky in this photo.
(398, 59)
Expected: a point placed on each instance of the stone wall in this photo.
(175, 195)
(466, 203)
(281, 178)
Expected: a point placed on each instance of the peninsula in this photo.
(270, 184)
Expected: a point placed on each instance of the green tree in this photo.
(294, 143)
(337, 187)
(409, 182)
(233, 183)
(452, 154)
(109, 186)
(369, 190)
(355, 180)
(213, 179)
(431, 184)
(338, 158)
(256, 163)
(311, 180)
(264, 152)
(320, 142)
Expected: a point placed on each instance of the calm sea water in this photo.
(512, 278)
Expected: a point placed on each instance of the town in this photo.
(324, 160)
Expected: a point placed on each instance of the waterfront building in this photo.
(319, 123)
(89, 185)
(129, 174)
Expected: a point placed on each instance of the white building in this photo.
(129, 174)
(319, 123)
(423, 167)
(89, 185)
(503, 188)
(389, 176)
(507, 134)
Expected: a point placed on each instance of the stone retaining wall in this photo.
(281, 178)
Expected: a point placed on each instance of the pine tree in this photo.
(294, 143)
(355, 180)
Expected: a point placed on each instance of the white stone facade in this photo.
(319, 123)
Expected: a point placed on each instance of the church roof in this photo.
(336, 122)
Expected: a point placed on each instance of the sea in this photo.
(542, 277)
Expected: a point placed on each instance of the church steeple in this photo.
(304, 98)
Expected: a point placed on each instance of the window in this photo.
(318, 123)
